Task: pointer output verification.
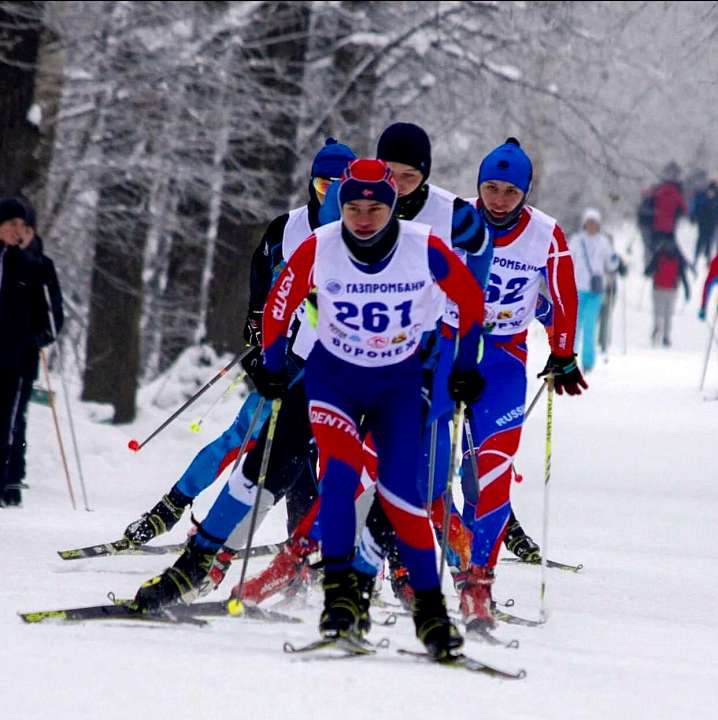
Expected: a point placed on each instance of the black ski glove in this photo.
(466, 385)
(251, 362)
(253, 328)
(271, 385)
(566, 375)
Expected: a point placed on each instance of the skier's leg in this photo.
(496, 423)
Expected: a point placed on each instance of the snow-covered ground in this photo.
(633, 496)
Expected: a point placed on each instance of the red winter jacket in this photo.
(669, 205)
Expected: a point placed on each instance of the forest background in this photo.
(158, 139)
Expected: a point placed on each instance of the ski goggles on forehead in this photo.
(321, 185)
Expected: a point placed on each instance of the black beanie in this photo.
(406, 143)
(10, 208)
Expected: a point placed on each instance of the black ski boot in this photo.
(365, 585)
(519, 543)
(196, 572)
(341, 604)
(433, 627)
(162, 518)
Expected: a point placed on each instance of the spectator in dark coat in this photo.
(24, 328)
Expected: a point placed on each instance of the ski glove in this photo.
(566, 375)
(253, 328)
(466, 385)
(251, 362)
(271, 385)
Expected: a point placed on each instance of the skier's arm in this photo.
(458, 283)
(470, 233)
(292, 286)
(561, 283)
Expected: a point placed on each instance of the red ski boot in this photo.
(287, 565)
(475, 600)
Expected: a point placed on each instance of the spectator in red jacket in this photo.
(669, 204)
(666, 267)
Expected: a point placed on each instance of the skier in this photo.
(406, 148)
(593, 257)
(529, 250)
(374, 277)
(209, 552)
(667, 267)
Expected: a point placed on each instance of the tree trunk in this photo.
(280, 72)
(113, 336)
(19, 40)
(180, 308)
(229, 290)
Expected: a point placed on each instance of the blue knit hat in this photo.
(332, 159)
(408, 144)
(508, 163)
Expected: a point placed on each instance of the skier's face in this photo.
(407, 177)
(11, 231)
(364, 218)
(500, 198)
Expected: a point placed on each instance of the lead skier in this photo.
(374, 277)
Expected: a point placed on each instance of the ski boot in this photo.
(196, 572)
(286, 568)
(341, 604)
(365, 584)
(162, 518)
(519, 543)
(476, 602)
(433, 626)
(403, 592)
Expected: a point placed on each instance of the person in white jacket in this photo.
(593, 256)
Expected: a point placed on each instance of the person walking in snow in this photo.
(24, 329)
(593, 257)
(666, 267)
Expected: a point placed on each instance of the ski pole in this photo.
(448, 493)
(196, 426)
(547, 477)
(57, 427)
(250, 431)
(708, 349)
(136, 446)
(532, 405)
(432, 467)
(276, 405)
(53, 328)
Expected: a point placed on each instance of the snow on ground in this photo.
(633, 496)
